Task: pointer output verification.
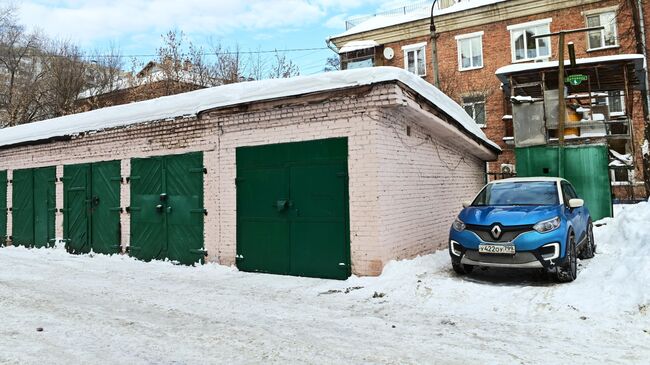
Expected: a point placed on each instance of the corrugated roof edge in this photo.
(195, 102)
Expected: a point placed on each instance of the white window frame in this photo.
(484, 102)
(413, 48)
(521, 26)
(599, 12)
(469, 37)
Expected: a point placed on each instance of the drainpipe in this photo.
(434, 50)
(646, 95)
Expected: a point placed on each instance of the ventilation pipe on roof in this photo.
(434, 50)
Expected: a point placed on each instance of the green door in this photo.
(22, 211)
(184, 207)
(34, 207)
(92, 207)
(292, 209)
(44, 206)
(3, 208)
(76, 202)
(105, 229)
(148, 221)
(167, 208)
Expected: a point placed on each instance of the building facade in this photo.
(472, 39)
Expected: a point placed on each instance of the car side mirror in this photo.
(466, 204)
(576, 203)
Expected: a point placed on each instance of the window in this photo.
(415, 59)
(470, 51)
(616, 102)
(605, 37)
(475, 107)
(368, 62)
(568, 192)
(524, 46)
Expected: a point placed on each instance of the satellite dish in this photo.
(389, 53)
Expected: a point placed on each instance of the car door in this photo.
(574, 215)
(583, 212)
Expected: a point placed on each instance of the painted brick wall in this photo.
(379, 171)
(423, 181)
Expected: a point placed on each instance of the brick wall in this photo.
(382, 170)
(497, 53)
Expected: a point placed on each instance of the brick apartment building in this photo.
(474, 38)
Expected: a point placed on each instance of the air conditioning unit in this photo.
(507, 168)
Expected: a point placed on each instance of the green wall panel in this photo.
(586, 167)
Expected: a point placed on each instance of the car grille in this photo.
(508, 233)
(518, 258)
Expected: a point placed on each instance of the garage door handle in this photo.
(159, 208)
(281, 205)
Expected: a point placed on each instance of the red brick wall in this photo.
(497, 53)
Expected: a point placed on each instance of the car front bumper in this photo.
(533, 250)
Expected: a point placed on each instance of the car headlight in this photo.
(458, 225)
(547, 225)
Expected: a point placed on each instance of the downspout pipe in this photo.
(434, 50)
(646, 94)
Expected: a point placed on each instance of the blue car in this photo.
(523, 223)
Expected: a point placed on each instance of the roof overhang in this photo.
(607, 73)
(358, 45)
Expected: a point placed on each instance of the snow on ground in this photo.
(115, 310)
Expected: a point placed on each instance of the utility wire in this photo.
(286, 50)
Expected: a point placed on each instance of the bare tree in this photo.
(65, 77)
(21, 72)
(282, 67)
(332, 64)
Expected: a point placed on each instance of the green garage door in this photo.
(3, 208)
(167, 208)
(292, 209)
(92, 207)
(34, 207)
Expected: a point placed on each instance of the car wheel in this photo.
(569, 270)
(462, 269)
(590, 248)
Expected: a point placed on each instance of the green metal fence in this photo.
(586, 167)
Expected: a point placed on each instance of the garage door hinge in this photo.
(239, 257)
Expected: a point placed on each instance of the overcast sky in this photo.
(135, 26)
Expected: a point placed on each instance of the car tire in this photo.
(568, 272)
(590, 248)
(462, 269)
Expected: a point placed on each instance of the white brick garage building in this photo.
(412, 156)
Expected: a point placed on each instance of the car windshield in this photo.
(518, 193)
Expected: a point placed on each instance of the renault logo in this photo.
(496, 231)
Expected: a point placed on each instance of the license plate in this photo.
(497, 249)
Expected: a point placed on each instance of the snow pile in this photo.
(530, 66)
(645, 148)
(618, 278)
(105, 310)
(621, 159)
(192, 103)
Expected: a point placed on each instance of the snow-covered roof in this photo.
(192, 103)
(521, 67)
(384, 21)
(358, 45)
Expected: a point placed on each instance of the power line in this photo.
(89, 56)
